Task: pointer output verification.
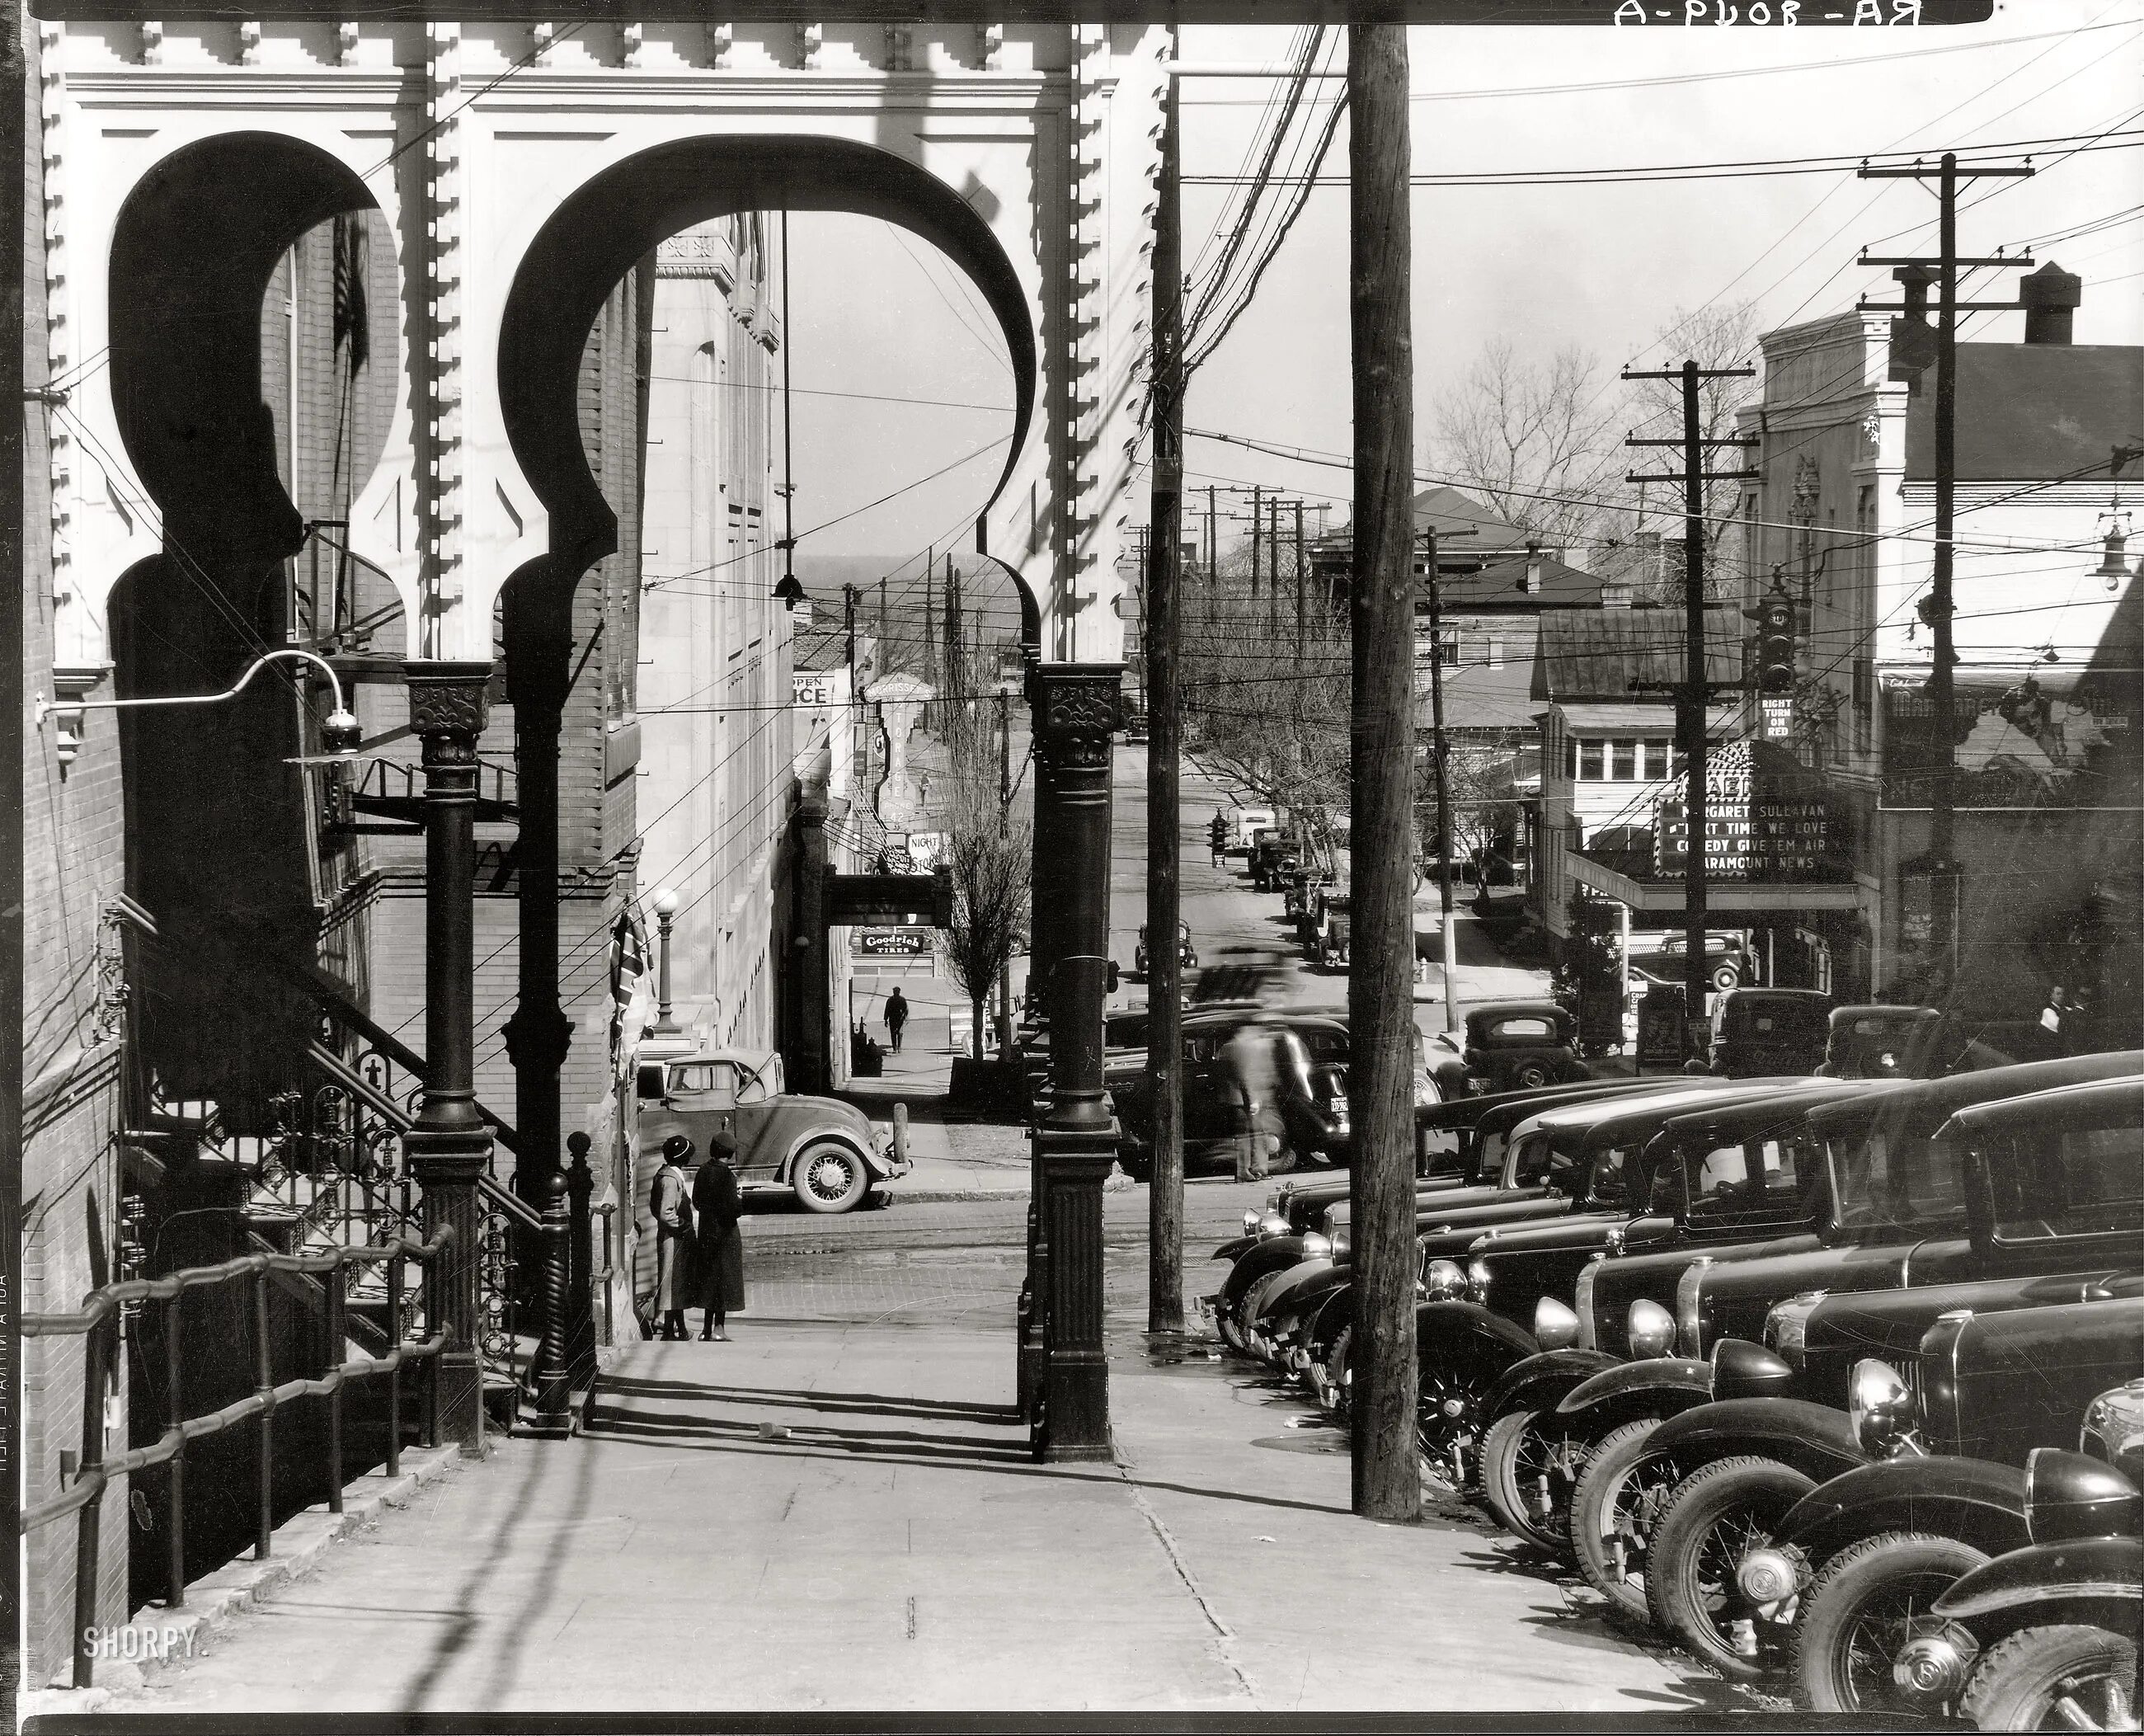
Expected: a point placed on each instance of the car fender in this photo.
(1973, 1500)
(1815, 1439)
(1445, 1329)
(877, 1170)
(2090, 1570)
(1540, 1381)
(1657, 1387)
(1273, 1254)
(1228, 1250)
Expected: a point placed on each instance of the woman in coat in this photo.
(719, 1267)
(670, 1203)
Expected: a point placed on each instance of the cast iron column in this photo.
(450, 1147)
(1077, 707)
(1046, 884)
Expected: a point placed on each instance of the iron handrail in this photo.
(97, 1321)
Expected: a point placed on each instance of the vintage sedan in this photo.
(1508, 1045)
(1310, 1065)
(1900, 1217)
(1768, 1030)
(2045, 1637)
(824, 1150)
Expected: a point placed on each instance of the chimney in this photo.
(2051, 296)
(1913, 337)
(1531, 583)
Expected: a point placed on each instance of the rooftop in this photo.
(1599, 654)
(2033, 411)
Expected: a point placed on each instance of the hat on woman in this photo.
(677, 1149)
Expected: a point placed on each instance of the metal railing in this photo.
(97, 1322)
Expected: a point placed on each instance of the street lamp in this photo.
(341, 734)
(666, 902)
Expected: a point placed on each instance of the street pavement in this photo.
(837, 1511)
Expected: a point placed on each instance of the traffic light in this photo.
(1776, 634)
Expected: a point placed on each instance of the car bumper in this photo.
(884, 1163)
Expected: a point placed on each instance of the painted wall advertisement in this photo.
(1767, 818)
(2047, 737)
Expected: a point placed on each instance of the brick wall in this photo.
(72, 851)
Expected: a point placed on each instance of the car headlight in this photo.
(1442, 1280)
(1879, 1404)
(1652, 1329)
(1250, 1223)
(1478, 1280)
(1690, 1310)
(1316, 1246)
(1272, 1224)
(1554, 1326)
(1786, 1327)
(1343, 1247)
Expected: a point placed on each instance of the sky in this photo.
(1600, 267)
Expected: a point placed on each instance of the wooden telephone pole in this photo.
(1386, 1476)
(1165, 557)
(1692, 692)
(1944, 880)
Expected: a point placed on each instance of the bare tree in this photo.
(1540, 440)
(990, 855)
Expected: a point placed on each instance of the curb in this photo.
(155, 1640)
(944, 1196)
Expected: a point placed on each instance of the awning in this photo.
(1719, 895)
(1637, 717)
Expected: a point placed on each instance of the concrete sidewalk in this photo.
(956, 1157)
(827, 1515)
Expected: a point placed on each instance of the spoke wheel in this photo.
(1615, 1504)
(830, 1179)
(1860, 1610)
(2055, 1679)
(1528, 1466)
(1714, 1517)
(1447, 1418)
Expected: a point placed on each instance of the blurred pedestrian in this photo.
(896, 1016)
(1254, 1070)
(719, 1256)
(670, 1203)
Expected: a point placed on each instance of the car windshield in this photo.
(1894, 1175)
(2049, 1182)
(1532, 1156)
(1763, 1177)
(1605, 1188)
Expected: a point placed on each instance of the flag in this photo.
(351, 324)
(629, 965)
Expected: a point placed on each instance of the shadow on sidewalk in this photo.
(864, 1403)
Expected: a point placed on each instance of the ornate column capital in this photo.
(448, 702)
(1078, 707)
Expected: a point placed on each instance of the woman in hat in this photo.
(670, 1203)
(719, 1267)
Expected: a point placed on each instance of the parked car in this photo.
(1768, 1030)
(1976, 1375)
(1184, 952)
(1301, 887)
(1882, 1042)
(1862, 1555)
(822, 1149)
(1274, 857)
(2045, 1636)
(1895, 1214)
(1660, 955)
(1336, 931)
(1312, 1070)
(2054, 1186)
(1511, 1046)
(1244, 824)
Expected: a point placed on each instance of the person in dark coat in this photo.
(896, 1016)
(718, 1262)
(670, 1203)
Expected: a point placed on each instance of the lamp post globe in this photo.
(666, 902)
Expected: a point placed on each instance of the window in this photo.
(2073, 1182)
(1570, 757)
(1765, 1177)
(1590, 762)
(1448, 648)
(1522, 1030)
(1623, 761)
(1892, 1176)
(716, 1076)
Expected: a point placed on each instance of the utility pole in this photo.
(1302, 611)
(1159, 630)
(1440, 756)
(1693, 692)
(884, 645)
(849, 626)
(1385, 1463)
(931, 617)
(1258, 521)
(1213, 545)
(1944, 888)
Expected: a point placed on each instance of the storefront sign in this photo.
(890, 943)
(1766, 819)
(2040, 738)
(808, 689)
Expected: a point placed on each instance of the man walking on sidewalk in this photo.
(1253, 1071)
(896, 1016)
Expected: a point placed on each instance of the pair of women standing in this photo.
(699, 1253)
